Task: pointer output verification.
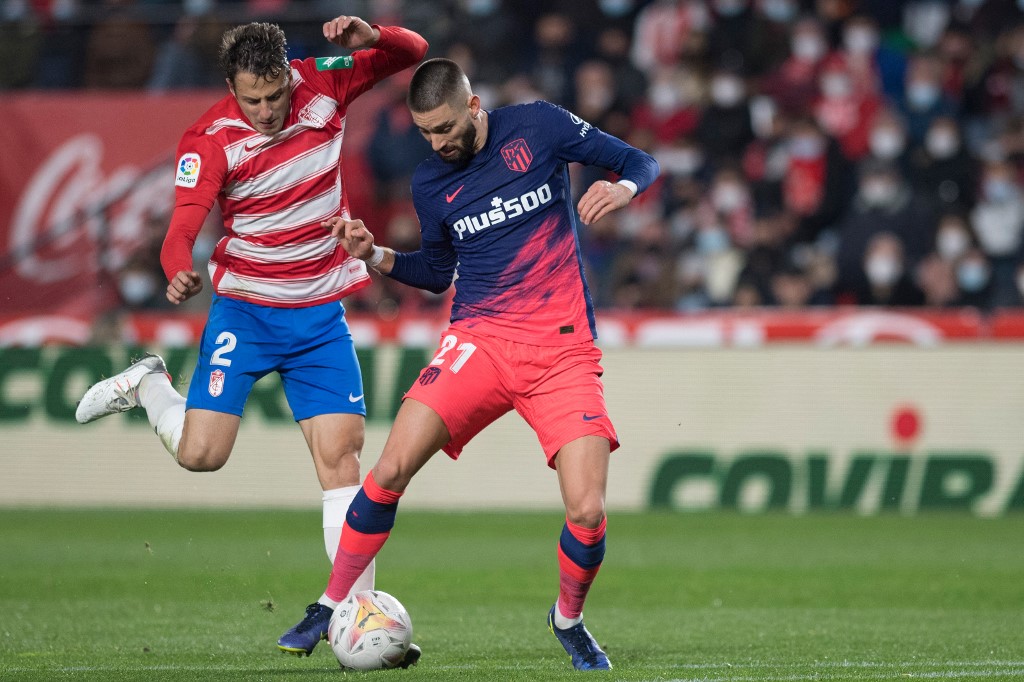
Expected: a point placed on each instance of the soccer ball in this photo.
(370, 630)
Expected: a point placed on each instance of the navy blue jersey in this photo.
(504, 225)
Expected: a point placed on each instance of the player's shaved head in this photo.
(436, 82)
(258, 48)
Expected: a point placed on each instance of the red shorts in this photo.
(474, 379)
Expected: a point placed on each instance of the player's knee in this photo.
(389, 475)
(587, 513)
(201, 457)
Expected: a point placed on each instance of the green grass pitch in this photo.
(202, 595)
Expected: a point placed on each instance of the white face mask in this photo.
(922, 94)
(860, 41)
(664, 98)
(728, 196)
(883, 271)
(878, 192)
(942, 143)
(835, 86)
(886, 143)
(952, 243)
(727, 91)
(972, 275)
(808, 48)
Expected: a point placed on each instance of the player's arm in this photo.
(386, 50)
(176, 253)
(199, 175)
(430, 268)
(583, 143)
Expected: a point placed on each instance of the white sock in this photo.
(327, 601)
(563, 623)
(336, 503)
(165, 408)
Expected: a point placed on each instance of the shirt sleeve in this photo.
(176, 253)
(199, 172)
(581, 142)
(398, 48)
(433, 266)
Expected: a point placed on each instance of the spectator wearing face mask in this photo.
(884, 204)
(998, 222)
(818, 179)
(670, 110)
(874, 67)
(953, 238)
(844, 111)
(724, 130)
(924, 99)
(885, 274)
(794, 85)
(974, 279)
(887, 140)
(942, 169)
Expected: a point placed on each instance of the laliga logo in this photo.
(72, 197)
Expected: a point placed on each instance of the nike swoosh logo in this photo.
(451, 197)
(590, 418)
(355, 398)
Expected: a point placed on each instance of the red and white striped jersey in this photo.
(274, 191)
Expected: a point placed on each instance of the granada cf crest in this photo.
(216, 382)
(517, 155)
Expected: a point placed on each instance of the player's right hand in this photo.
(184, 286)
(352, 234)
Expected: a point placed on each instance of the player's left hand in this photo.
(602, 198)
(353, 235)
(350, 32)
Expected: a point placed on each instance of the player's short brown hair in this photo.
(258, 48)
(436, 82)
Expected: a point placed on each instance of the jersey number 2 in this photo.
(464, 349)
(227, 343)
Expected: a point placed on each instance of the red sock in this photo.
(580, 553)
(367, 526)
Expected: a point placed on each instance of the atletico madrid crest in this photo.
(517, 155)
(216, 382)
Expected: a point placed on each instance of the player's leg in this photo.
(444, 409)
(562, 398)
(417, 434)
(582, 467)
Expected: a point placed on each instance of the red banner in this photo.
(80, 175)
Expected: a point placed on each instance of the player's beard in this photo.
(465, 148)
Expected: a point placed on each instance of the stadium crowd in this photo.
(814, 152)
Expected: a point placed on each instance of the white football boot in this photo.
(119, 393)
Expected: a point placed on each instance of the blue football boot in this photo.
(580, 645)
(307, 633)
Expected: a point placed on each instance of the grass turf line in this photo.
(193, 595)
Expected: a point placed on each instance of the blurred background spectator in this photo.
(814, 152)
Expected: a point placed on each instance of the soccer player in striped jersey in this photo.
(269, 153)
(496, 217)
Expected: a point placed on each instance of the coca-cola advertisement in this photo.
(83, 176)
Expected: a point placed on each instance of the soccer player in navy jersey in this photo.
(496, 217)
(269, 154)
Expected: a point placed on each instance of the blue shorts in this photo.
(311, 348)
